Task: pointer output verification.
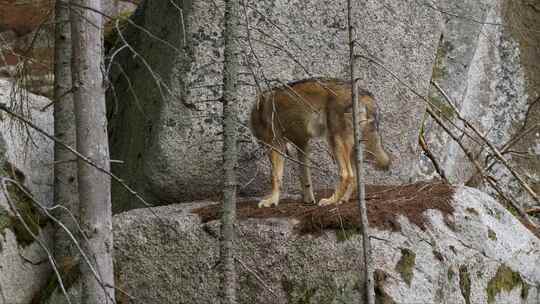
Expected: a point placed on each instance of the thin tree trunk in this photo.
(92, 141)
(230, 114)
(65, 165)
(358, 148)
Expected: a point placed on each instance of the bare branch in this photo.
(496, 151)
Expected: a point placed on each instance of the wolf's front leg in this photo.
(341, 152)
(277, 162)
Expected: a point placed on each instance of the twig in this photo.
(510, 143)
(533, 210)
(429, 154)
(256, 276)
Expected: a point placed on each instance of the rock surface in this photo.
(165, 121)
(479, 253)
(485, 64)
(27, 157)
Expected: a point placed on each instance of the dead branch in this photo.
(50, 257)
(533, 210)
(423, 144)
(496, 151)
(480, 168)
(257, 277)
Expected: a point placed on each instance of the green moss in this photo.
(405, 265)
(498, 213)
(440, 71)
(346, 233)
(381, 296)
(450, 273)
(5, 220)
(298, 292)
(69, 272)
(505, 280)
(30, 215)
(492, 235)
(110, 33)
(440, 68)
(25, 207)
(320, 290)
(441, 104)
(513, 210)
(524, 291)
(465, 283)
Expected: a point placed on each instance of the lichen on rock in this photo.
(465, 283)
(405, 265)
(506, 280)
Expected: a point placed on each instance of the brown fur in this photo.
(310, 108)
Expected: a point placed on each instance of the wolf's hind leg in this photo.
(305, 175)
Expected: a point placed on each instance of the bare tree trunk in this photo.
(358, 148)
(65, 164)
(92, 141)
(230, 114)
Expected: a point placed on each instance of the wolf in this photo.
(295, 113)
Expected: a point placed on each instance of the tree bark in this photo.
(65, 164)
(230, 114)
(92, 141)
(360, 182)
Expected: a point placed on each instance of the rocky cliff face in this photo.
(464, 249)
(26, 157)
(165, 119)
(485, 64)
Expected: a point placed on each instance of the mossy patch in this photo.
(381, 296)
(34, 219)
(492, 235)
(346, 233)
(110, 32)
(440, 67)
(297, 293)
(29, 214)
(505, 280)
(451, 273)
(440, 71)
(441, 104)
(321, 289)
(69, 272)
(465, 283)
(512, 210)
(405, 265)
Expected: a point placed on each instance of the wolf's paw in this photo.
(268, 202)
(327, 201)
